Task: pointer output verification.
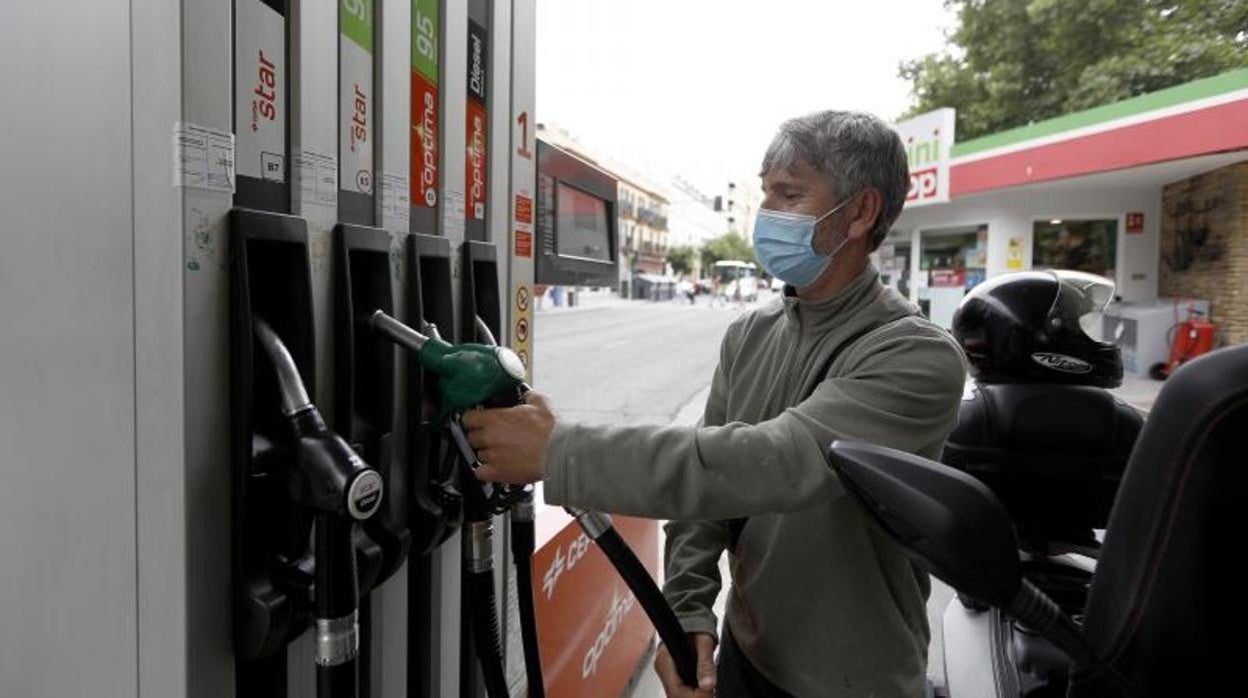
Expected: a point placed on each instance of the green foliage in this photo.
(1012, 62)
(681, 259)
(729, 246)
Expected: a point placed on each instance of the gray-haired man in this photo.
(821, 603)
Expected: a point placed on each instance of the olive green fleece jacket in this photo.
(822, 603)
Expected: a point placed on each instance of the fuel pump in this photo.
(272, 141)
(474, 375)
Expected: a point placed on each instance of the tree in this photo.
(1013, 62)
(728, 246)
(681, 259)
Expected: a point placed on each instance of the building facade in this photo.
(1150, 192)
(641, 209)
(693, 220)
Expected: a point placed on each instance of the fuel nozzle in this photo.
(470, 374)
(328, 476)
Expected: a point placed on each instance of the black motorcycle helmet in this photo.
(1026, 327)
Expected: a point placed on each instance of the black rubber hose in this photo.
(523, 541)
(1033, 608)
(651, 599)
(485, 632)
(338, 681)
(336, 594)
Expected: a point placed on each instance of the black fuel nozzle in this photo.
(328, 476)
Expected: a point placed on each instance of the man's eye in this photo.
(792, 197)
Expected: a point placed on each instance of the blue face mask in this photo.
(785, 246)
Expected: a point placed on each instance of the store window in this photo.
(951, 262)
(1081, 245)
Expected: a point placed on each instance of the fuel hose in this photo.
(523, 543)
(479, 572)
(598, 527)
(335, 599)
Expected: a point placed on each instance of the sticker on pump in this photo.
(524, 244)
(476, 175)
(260, 90)
(355, 95)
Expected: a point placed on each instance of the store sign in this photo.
(948, 278)
(928, 139)
(1014, 254)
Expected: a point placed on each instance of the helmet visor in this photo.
(1080, 300)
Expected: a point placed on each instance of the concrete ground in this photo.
(1140, 391)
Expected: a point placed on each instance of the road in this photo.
(637, 363)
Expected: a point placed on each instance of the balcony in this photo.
(653, 217)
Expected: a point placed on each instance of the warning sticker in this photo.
(203, 157)
(521, 335)
(394, 201)
(524, 209)
(318, 177)
(524, 243)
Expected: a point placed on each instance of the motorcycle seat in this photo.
(1053, 454)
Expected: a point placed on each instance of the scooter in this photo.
(485, 374)
(1034, 445)
(1160, 616)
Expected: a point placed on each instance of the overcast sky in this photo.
(698, 87)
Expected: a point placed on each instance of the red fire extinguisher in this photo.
(1191, 338)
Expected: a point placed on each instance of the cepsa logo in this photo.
(576, 551)
(621, 604)
(264, 104)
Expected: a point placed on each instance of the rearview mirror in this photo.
(947, 519)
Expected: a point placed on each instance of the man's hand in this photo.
(704, 644)
(511, 442)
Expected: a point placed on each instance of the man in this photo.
(822, 603)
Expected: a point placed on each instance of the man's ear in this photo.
(865, 211)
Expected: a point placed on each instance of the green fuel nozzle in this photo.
(469, 374)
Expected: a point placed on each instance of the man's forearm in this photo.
(691, 563)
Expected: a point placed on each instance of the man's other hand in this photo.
(511, 442)
(704, 644)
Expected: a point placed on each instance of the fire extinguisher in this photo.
(1189, 339)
